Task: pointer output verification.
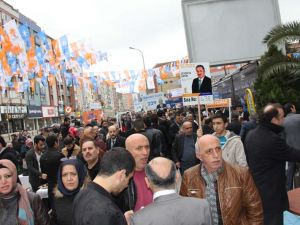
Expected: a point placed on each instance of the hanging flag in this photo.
(43, 39)
(25, 34)
(75, 49)
(4, 63)
(39, 55)
(65, 47)
(56, 49)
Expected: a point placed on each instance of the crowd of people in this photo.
(159, 167)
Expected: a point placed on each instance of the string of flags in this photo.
(27, 59)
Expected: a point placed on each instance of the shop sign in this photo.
(13, 109)
(50, 111)
(14, 116)
(34, 111)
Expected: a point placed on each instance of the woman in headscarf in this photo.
(72, 176)
(17, 206)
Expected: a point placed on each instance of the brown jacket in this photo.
(239, 199)
(75, 152)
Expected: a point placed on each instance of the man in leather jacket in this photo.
(229, 189)
(137, 194)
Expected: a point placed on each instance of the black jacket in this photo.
(267, 154)
(205, 85)
(156, 141)
(94, 205)
(50, 162)
(173, 131)
(126, 200)
(62, 212)
(178, 145)
(64, 129)
(235, 126)
(33, 168)
(120, 142)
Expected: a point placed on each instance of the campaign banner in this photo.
(195, 78)
(88, 116)
(174, 103)
(174, 93)
(220, 103)
(190, 99)
(206, 99)
(152, 100)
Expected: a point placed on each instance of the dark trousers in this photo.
(273, 218)
(290, 175)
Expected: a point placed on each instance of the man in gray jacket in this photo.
(168, 207)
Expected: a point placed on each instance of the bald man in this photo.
(168, 207)
(137, 195)
(229, 190)
(114, 140)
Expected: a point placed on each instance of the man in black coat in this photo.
(201, 84)
(64, 128)
(32, 158)
(267, 154)
(114, 140)
(95, 205)
(183, 149)
(174, 127)
(50, 162)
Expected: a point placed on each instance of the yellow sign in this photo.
(250, 101)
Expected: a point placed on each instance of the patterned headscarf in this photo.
(25, 213)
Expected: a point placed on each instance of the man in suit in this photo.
(115, 140)
(201, 84)
(33, 162)
(183, 149)
(168, 207)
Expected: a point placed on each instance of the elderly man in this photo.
(267, 154)
(230, 190)
(183, 149)
(114, 140)
(168, 207)
(137, 195)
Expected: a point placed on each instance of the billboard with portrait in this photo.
(196, 78)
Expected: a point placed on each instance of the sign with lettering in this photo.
(50, 111)
(220, 103)
(34, 111)
(190, 99)
(152, 100)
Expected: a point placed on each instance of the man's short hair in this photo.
(38, 138)
(147, 121)
(51, 140)
(220, 116)
(2, 142)
(115, 160)
(198, 66)
(68, 140)
(167, 182)
(66, 119)
(288, 108)
(138, 124)
(270, 111)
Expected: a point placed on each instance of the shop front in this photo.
(34, 115)
(50, 114)
(12, 119)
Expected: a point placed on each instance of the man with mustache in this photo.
(229, 189)
(137, 195)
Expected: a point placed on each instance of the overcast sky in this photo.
(154, 26)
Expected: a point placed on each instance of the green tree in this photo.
(278, 74)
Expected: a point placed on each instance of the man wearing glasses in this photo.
(230, 190)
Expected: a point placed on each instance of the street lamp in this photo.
(132, 48)
(142, 56)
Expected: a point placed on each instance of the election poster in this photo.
(196, 78)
